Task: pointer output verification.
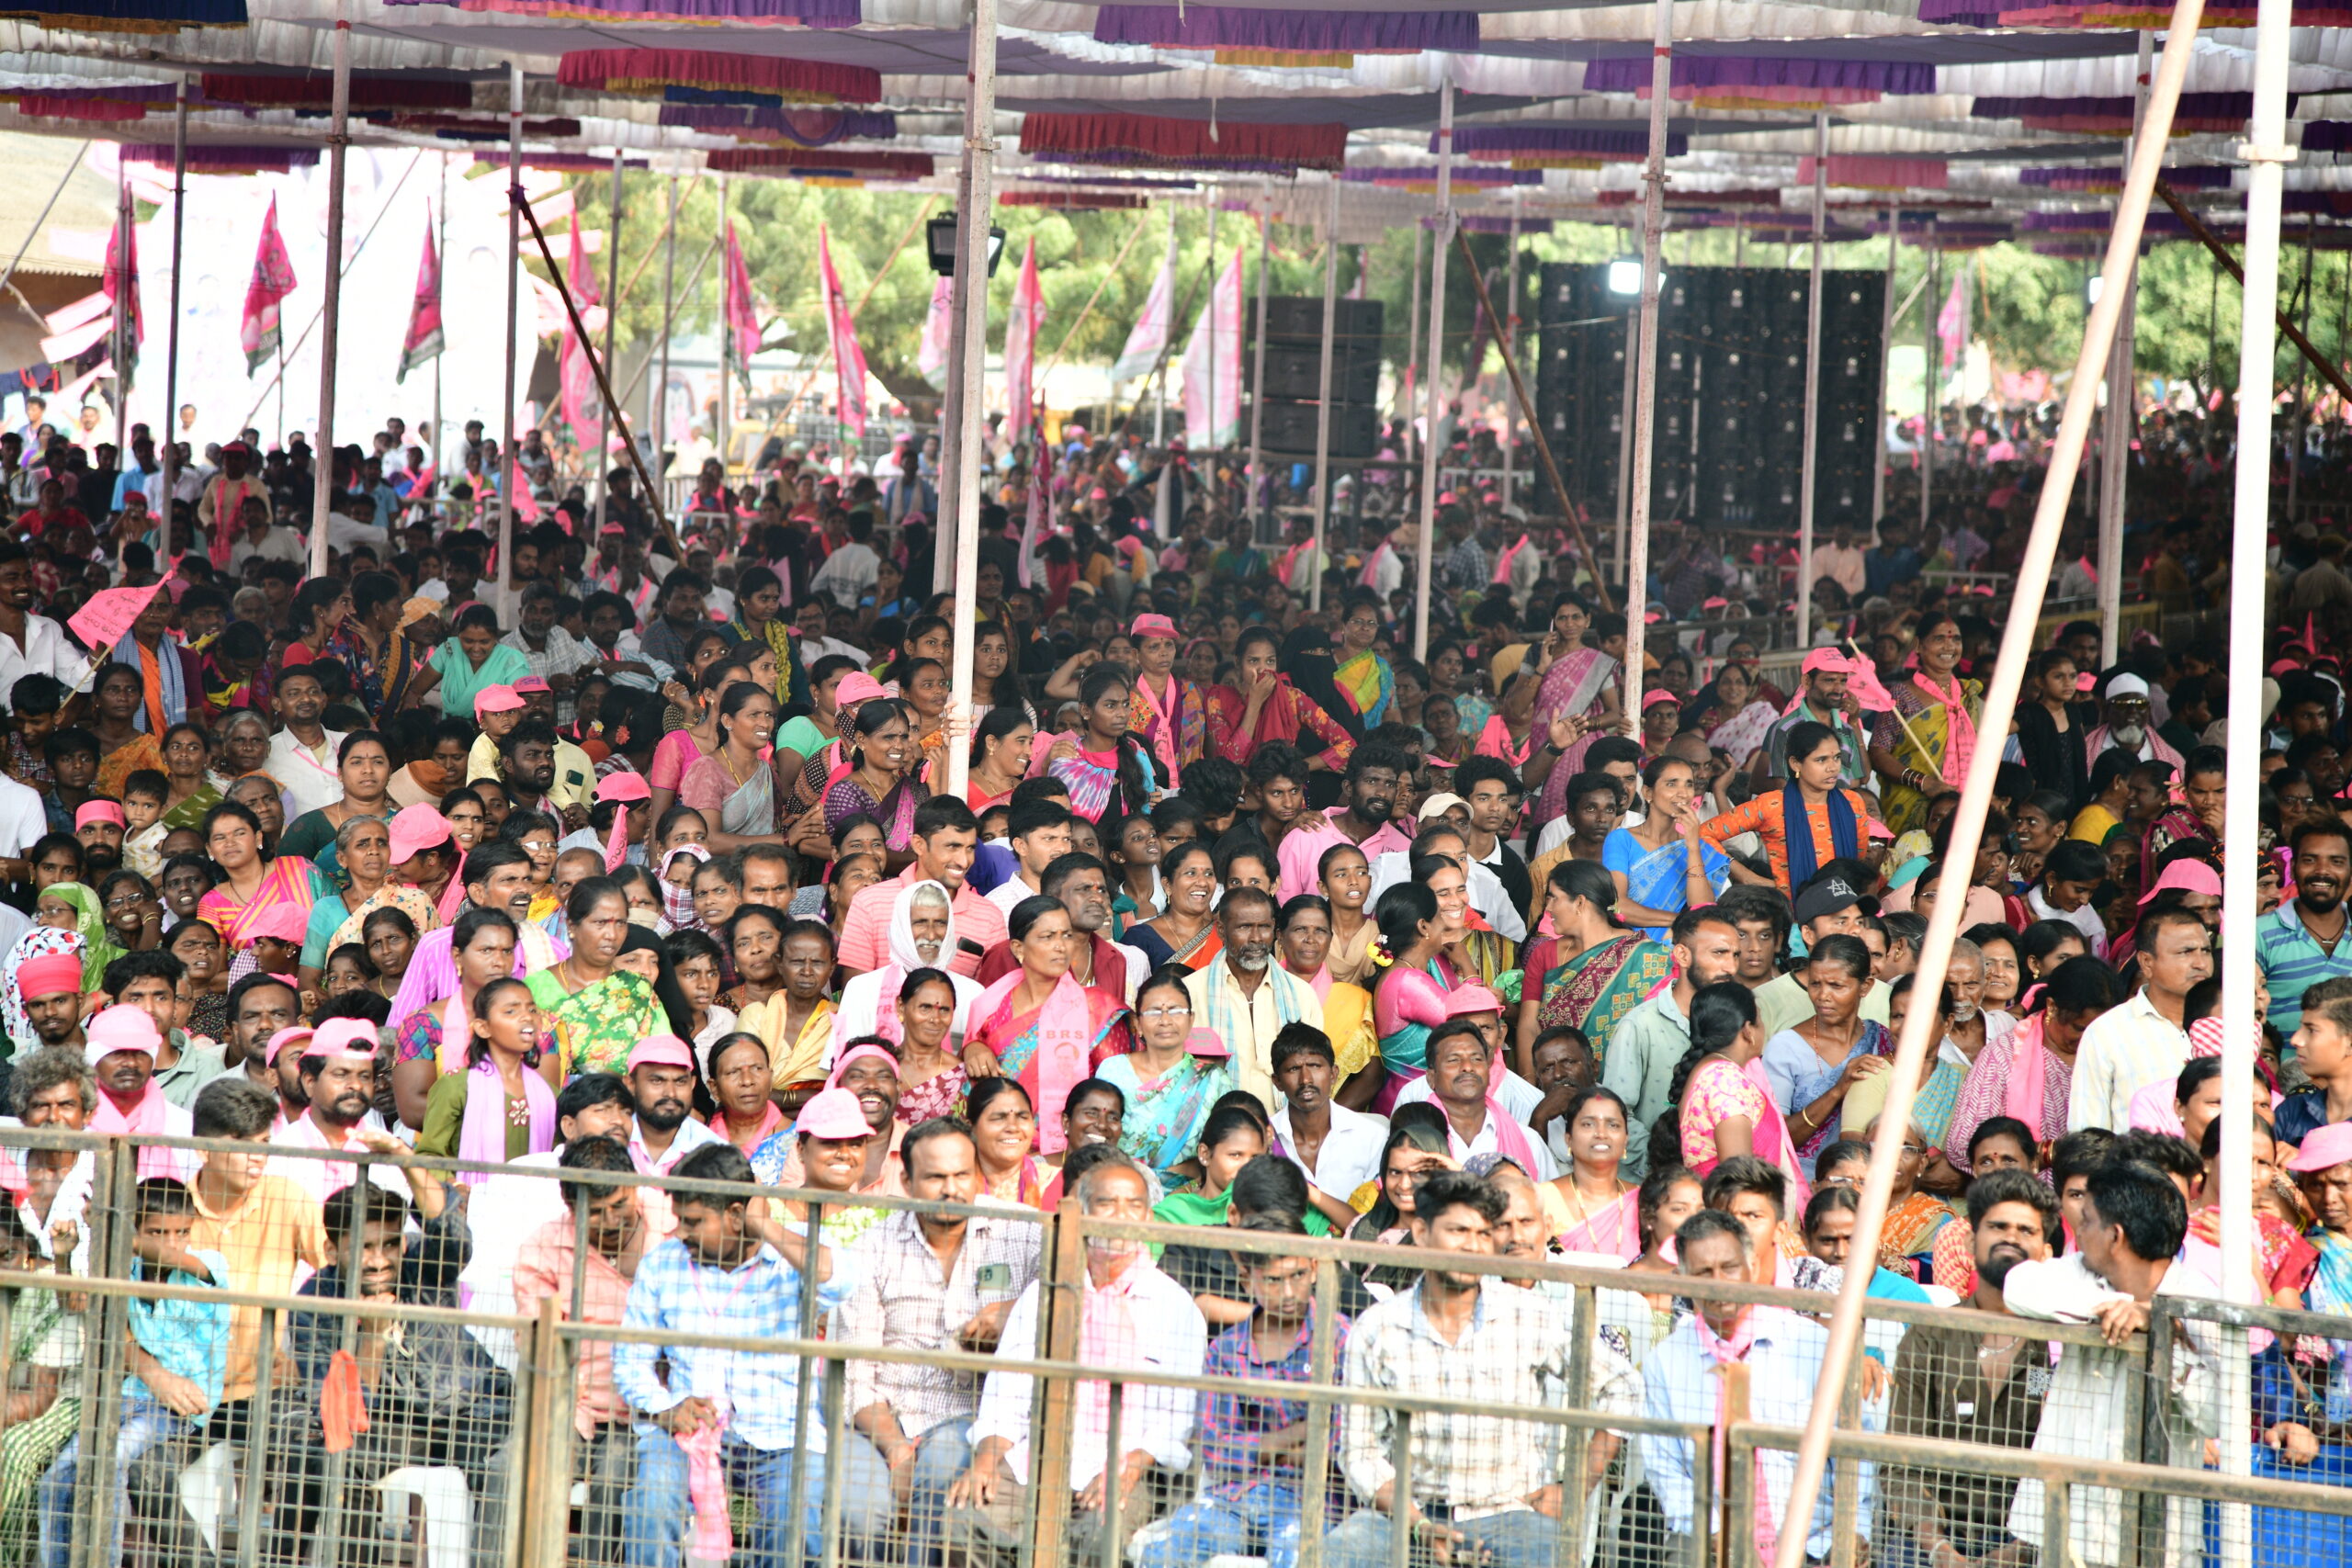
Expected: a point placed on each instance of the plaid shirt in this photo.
(902, 1301)
(1514, 1353)
(1234, 1426)
(760, 1299)
(1465, 564)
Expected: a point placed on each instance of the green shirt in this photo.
(445, 1120)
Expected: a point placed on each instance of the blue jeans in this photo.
(1260, 1522)
(943, 1455)
(1521, 1539)
(145, 1423)
(656, 1509)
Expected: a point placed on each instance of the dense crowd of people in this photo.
(636, 852)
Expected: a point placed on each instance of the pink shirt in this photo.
(865, 933)
(1302, 850)
(672, 758)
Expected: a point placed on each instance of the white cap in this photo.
(2127, 685)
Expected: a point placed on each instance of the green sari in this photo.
(1593, 991)
(595, 1027)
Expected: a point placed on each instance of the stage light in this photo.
(1625, 277)
(939, 237)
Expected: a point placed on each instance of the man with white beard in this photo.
(2128, 727)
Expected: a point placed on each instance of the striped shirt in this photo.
(902, 1301)
(2292, 962)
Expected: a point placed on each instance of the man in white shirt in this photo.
(30, 644)
(1339, 1149)
(338, 1074)
(1040, 833)
(1440, 837)
(848, 574)
(2127, 1048)
(303, 755)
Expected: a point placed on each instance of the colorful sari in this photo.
(796, 1057)
(595, 1026)
(1933, 753)
(1595, 990)
(1659, 878)
(746, 808)
(1197, 954)
(291, 881)
(1718, 1090)
(409, 901)
(118, 764)
(1050, 1048)
(1164, 1117)
(1910, 1232)
(1614, 1232)
(1369, 681)
(845, 798)
(1407, 1007)
(1575, 685)
(189, 812)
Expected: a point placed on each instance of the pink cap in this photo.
(1651, 700)
(2324, 1147)
(496, 699)
(624, 786)
(300, 1035)
(856, 687)
(1152, 626)
(532, 684)
(669, 1051)
(610, 528)
(2280, 666)
(858, 1052)
(1827, 658)
(1206, 1041)
(100, 810)
(120, 1028)
(2189, 876)
(1469, 1000)
(2086, 680)
(46, 975)
(283, 922)
(416, 829)
(345, 1037)
(1880, 831)
(832, 1114)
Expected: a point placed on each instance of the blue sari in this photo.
(1658, 879)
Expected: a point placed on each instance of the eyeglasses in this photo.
(1165, 1013)
(126, 901)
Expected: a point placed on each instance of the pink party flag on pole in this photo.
(930, 359)
(1147, 340)
(742, 321)
(1021, 348)
(1213, 393)
(107, 620)
(272, 281)
(577, 378)
(841, 330)
(425, 312)
(122, 288)
(1952, 322)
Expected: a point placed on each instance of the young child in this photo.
(38, 700)
(144, 795)
(178, 1362)
(348, 970)
(273, 944)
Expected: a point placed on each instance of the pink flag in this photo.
(107, 618)
(272, 281)
(577, 378)
(1147, 340)
(425, 313)
(122, 288)
(1021, 348)
(1038, 519)
(1861, 684)
(1213, 393)
(841, 330)
(742, 321)
(1952, 322)
(938, 326)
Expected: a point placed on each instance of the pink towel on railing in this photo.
(713, 1537)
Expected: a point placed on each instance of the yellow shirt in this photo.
(273, 1240)
(2094, 823)
(575, 774)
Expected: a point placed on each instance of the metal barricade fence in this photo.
(375, 1433)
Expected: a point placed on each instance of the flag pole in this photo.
(441, 259)
(509, 471)
(338, 137)
(172, 339)
(124, 303)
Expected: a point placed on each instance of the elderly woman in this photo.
(923, 936)
(1171, 1078)
(363, 852)
(601, 1000)
(240, 746)
(188, 754)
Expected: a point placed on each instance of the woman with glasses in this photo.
(1170, 1079)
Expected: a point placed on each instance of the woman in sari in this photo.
(1345, 879)
(471, 660)
(431, 1040)
(1187, 934)
(362, 851)
(1038, 1025)
(499, 1107)
(1171, 1078)
(124, 748)
(1579, 684)
(1725, 1098)
(1814, 1065)
(1733, 714)
(734, 786)
(232, 835)
(1595, 971)
(1409, 992)
(1303, 943)
(1592, 1209)
(1271, 706)
(1921, 748)
(879, 781)
(1000, 758)
(1004, 1131)
(680, 748)
(595, 1006)
(190, 792)
(407, 646)
(932, 1081)
(197, 945)
(2029, 1073)
(1661, 866)
(744, 1084)
(240, 746)
(922, 937)
(1364, 676)
(1913, 1217)
(796, 1018)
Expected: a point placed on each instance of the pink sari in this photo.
(290, 880)
(1050, 1049)
(1717, 1092)
(1615, 1232)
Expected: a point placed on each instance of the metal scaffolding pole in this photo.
(719, 423)
(172, 340)
(967, 361)
(1930, 389)
(1256, 482)
(1323, 398)
(1160, 409)
(2121, 421)
(1642, 371)
(441, 260)
(1809, 474)
(1432, 405)
(1510, 340)
(330, 322)
(1412, 342)
(656, 419)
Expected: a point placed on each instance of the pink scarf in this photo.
(1370, 576)
(1494, 742)
(1510, 1139)
(1615, 1232)
(1503, 561)
(1065, 1040)
(1108, 1337)
(1772, 1141)
(1960, 730)
(713, 1539)
(454, 895)
(482, 1135)
(147, 1116)
(1726, 1350)
(2028, 1071)
(1160, 732)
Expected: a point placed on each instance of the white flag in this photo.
(1148, 341)
(930, 359)
(1213, 399)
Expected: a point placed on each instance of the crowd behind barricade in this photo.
(1245, 921)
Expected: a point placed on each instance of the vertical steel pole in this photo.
(2266, 153)
(1433, 400)
(1323, 397)
(1931, 388)
(657, 419)
(1809, 473)
(946, 551)
(1510, 340)
(718, 410)
(2123, 420)
(612, 315)
(2303, 384)
(441, 255)
(1644, 371)
(330, 315)
(172, 343)
(1412, 342)
(1209, 435)
(1628, 389)
(1159, 411)
(1885, 341)
(1256, 483)
(122, 309)
(510, 472)
(972, 276)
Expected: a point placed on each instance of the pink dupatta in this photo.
(1772, 1141)
(2029, 1068)
(1065, 1041)
(483, 1137)
(1615, 1232)
(1960, 730)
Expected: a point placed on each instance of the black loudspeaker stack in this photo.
(1294, 369)
(1728, 445)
